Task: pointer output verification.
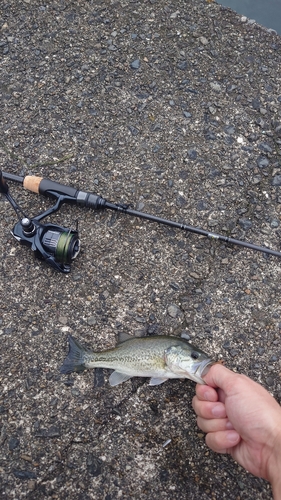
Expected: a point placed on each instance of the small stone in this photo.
(215, 86)
(265, 147)
(260, 122)
(276, 180)
(231, 87)
(91, 320)
(256, 104)
(278, 130)
(135, 64)
(229, 129)
(24, 474)
(26, 457)
(262, 162)
(63, 320)
(174, 311)
(181, 201)
(203, 40)
(140, 206)
(182, 65)
(194, 275)
(246, 224)
(185, 335)
(274, 223)
(192, 154)
(269, 380)
(134, 131)
(202, 205)
(13, 443)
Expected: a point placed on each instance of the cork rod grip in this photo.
(32, 182)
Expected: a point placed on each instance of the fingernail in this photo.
(218, 411)
(232, 437)
(229, 425)
(207, 396)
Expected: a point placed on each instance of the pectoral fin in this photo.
(117, 378)
(157, 381)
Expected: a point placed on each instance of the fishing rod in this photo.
(71, 195)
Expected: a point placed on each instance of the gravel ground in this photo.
(175, 108)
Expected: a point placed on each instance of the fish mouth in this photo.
(203, 368)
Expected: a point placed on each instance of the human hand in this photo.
(241, 418)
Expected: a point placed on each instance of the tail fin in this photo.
(75, 360)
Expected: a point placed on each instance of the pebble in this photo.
(135, 64)
(13, 443)
(246, 224)
(215, 86)
(278, 130)
(174, 311)
(194, 275)
(134, 131)
(276, 181)
(63, 320)
(24, 474)
(203, 40)
(182, 65)
(265, 147)
(262, 162)
(192, 154)
(185, 335)
(229, 129)
(91, 320)
(274, 223)
(269, 380)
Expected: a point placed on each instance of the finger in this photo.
(206, 393)
(222, 441)
(220, 376)
(214, 424)
(221, 395)
(207, 409)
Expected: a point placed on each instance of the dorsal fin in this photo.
(122, 337)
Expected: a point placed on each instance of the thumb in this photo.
(220, 376)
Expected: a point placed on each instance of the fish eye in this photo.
(195, 355)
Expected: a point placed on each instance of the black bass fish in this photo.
(159, 357)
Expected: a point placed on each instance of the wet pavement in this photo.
(176, 109)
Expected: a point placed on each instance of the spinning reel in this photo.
(56, 245)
